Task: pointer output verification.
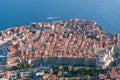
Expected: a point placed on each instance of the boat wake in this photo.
(53, 18)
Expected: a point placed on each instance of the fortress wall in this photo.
(65, 61)
(92, 62)
(51, 60)
(37, 61)
(80, 61)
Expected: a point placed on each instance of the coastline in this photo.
(54, 19)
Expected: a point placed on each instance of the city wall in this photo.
(65, 61)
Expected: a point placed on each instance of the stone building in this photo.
(104, 58)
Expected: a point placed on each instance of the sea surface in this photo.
(23, 12)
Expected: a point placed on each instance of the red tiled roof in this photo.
(12, 48)
(102, 76)
(114, 75)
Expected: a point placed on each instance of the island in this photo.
(72, 49)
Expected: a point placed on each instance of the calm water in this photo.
(23, 12)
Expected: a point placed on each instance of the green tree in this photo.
(54, 66)
(65, 68)
(97, 71)
(87, 69)
(109, 68)
(30, 65)
(19, 75)
(24, 65)
(28, 78)
(10, 79)
(55, 71)
(38, 70)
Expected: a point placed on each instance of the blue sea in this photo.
(23, 12)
